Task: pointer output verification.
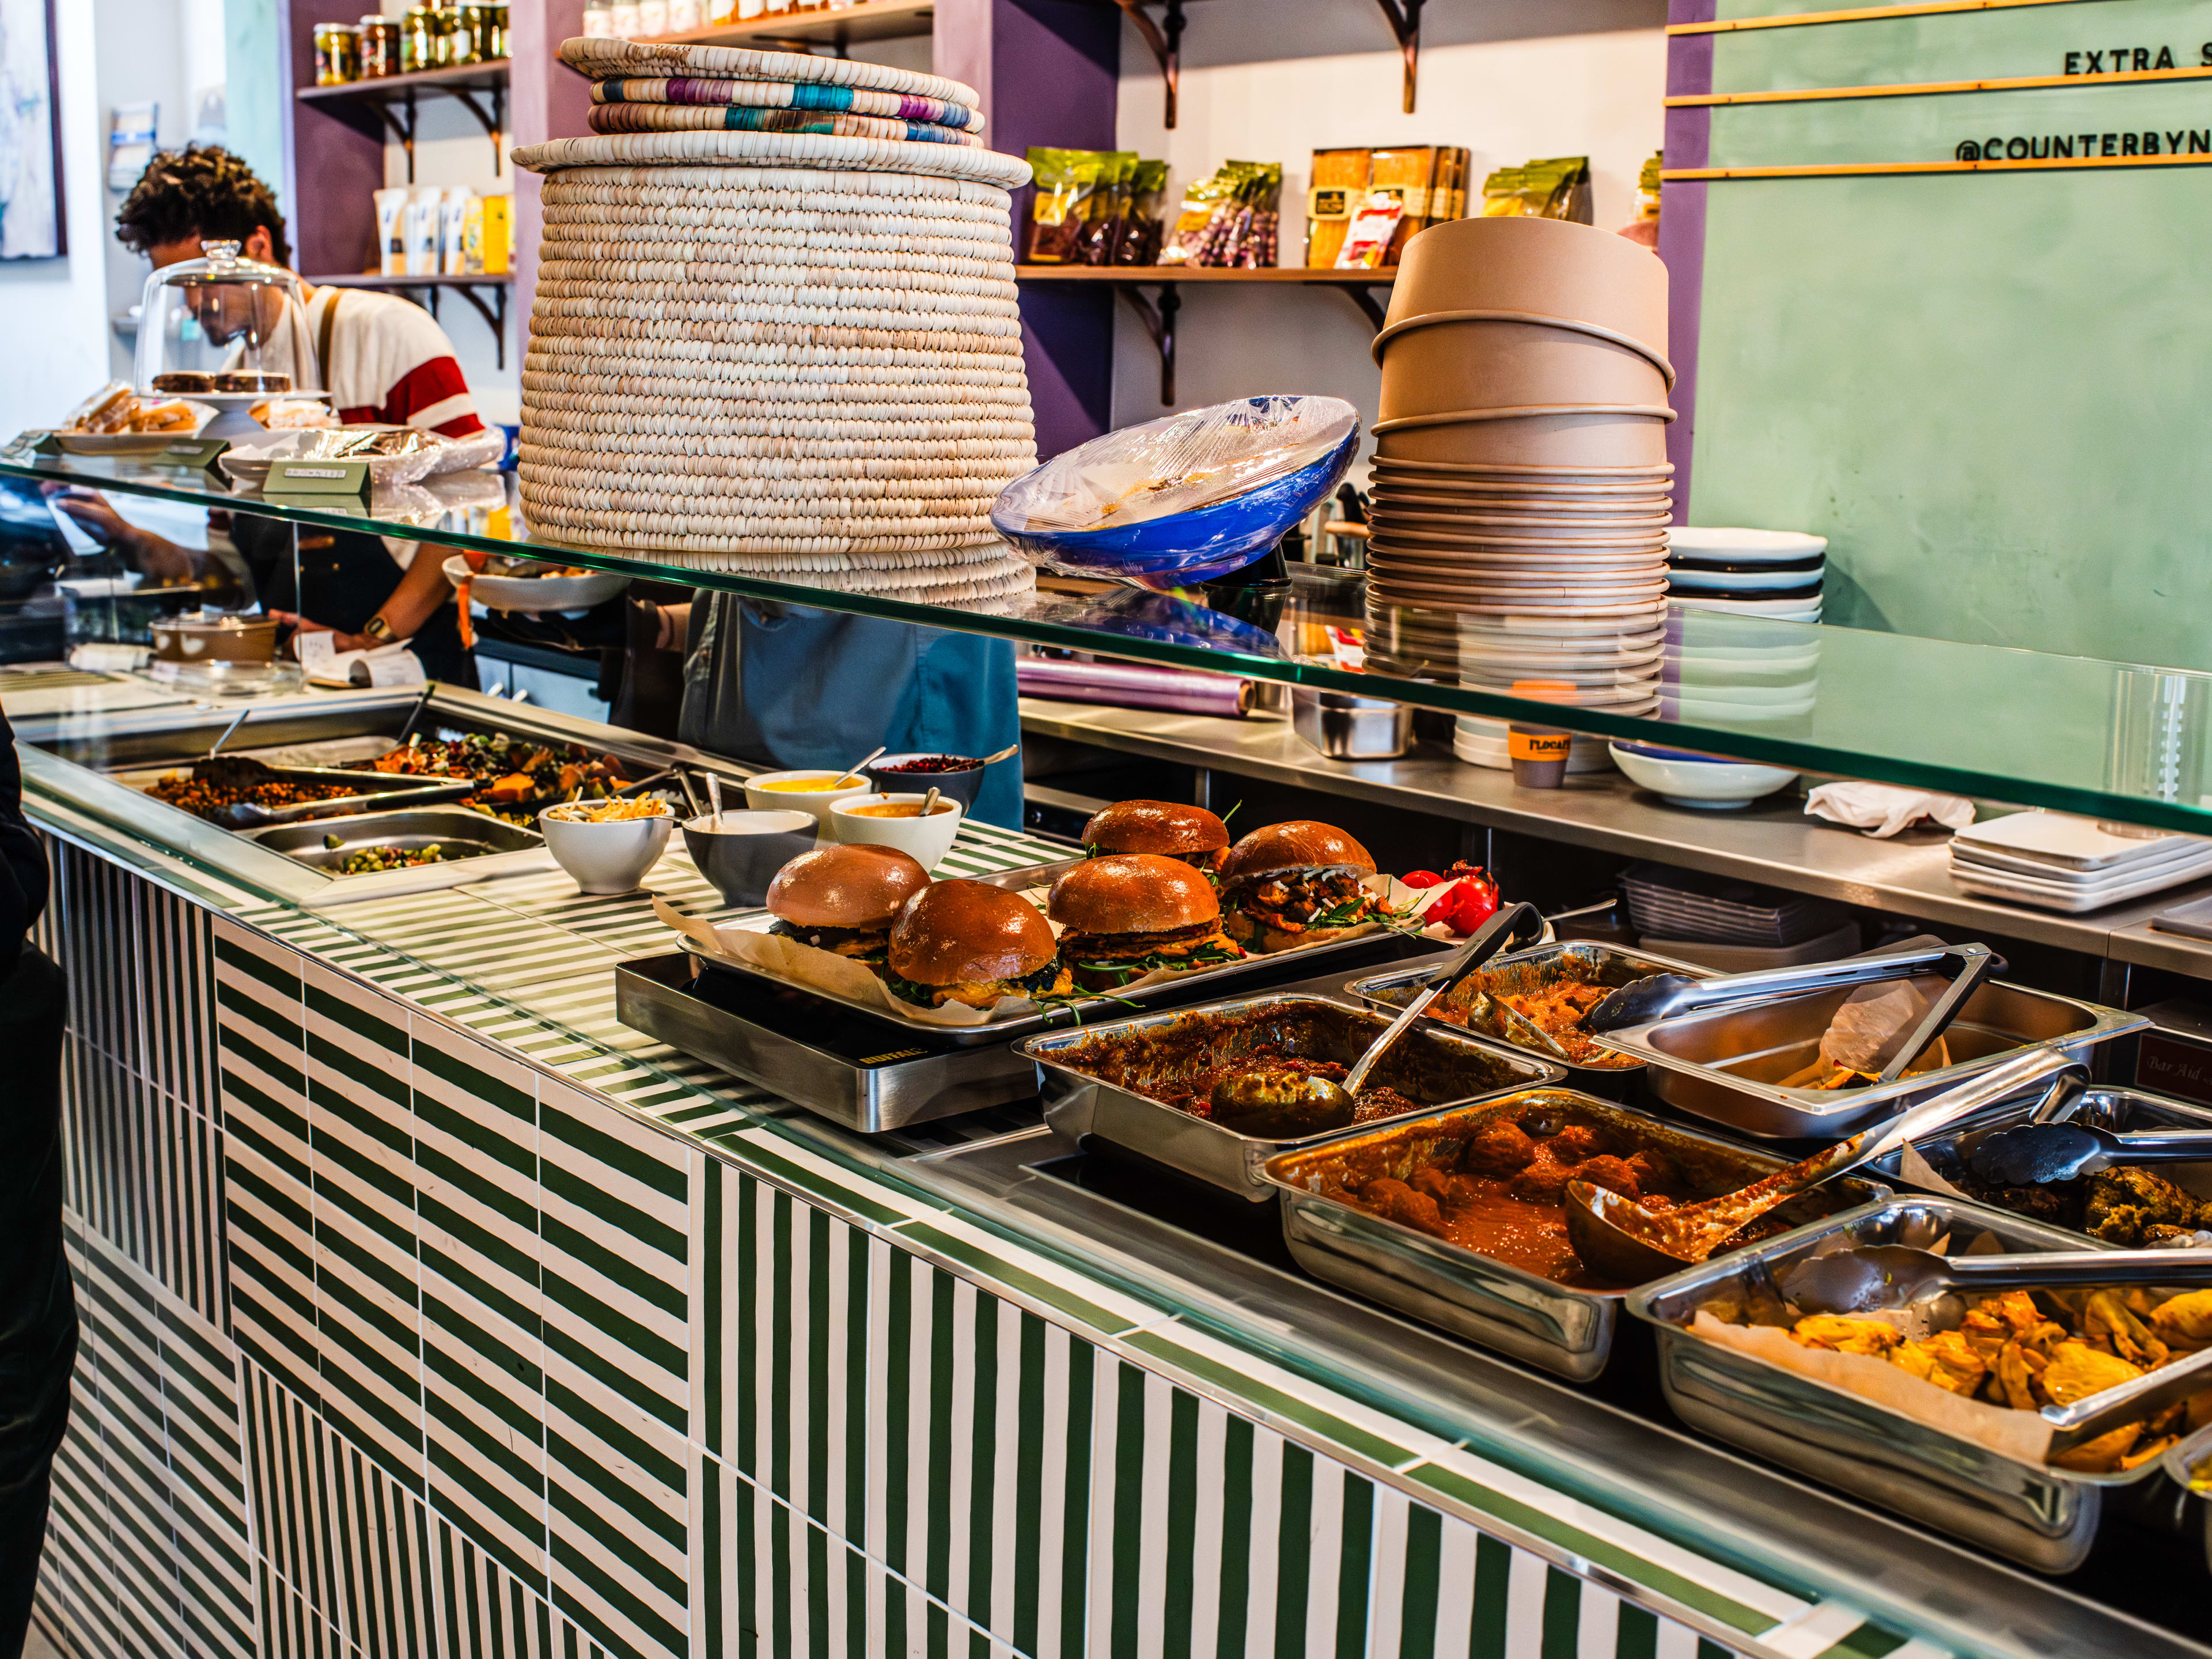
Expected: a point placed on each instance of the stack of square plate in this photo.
(2055, 862)
(1759, 573)
(1681, 904)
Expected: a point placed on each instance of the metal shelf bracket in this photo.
(1159, 321)
(1165, 39)
(1404, 17)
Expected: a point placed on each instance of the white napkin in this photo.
(388, 665)
(1881, 809)
(100, 657)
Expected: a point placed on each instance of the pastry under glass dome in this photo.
(228, 331)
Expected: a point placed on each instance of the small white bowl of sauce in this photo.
(814, 792)
(897, 821)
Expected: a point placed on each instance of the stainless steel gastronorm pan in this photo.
(1434, 1064)
(490, 847)
(1530, 970)
(2043, 1517)
(2117, 1109)
(1726, 1064)
(1564, 1329)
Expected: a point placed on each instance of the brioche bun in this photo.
(1155, 826)
(1131, 893)
(1299, 844)
(844, 887)
(958, 933)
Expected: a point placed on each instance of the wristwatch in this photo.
(376, 629)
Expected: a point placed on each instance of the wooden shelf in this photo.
(462, 77)
(868, 20)
(395, 97)
(471, 287)
(1159, 316)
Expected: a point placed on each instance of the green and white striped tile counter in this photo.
(429, 1311)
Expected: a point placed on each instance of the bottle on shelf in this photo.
(599, 19)
(627, 23)
(686, 16)
(651, 18)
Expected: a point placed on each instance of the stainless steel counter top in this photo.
(1777, 845)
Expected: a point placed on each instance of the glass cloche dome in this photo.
(227, 332)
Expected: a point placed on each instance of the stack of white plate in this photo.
(1756, 573)
(2055, 862)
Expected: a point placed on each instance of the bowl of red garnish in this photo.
(960, 777)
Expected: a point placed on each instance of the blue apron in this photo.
(786, 687)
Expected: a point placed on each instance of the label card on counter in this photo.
(318, 478)
(193, 454)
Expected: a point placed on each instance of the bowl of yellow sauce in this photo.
(897, 821)
(814, 792)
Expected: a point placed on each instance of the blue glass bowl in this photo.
(1177, 550)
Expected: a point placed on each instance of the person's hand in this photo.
(162, 561)
(298, 625)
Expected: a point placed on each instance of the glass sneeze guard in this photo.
(2110, 740)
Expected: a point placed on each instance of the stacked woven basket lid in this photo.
(792, 354)
(1521, 484)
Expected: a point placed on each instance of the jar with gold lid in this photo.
(476, 32)
(379, 46)
(337, 54)
(419, 43)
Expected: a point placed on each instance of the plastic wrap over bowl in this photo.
(1185, 499)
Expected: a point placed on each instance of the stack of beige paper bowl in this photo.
(1520, 485)
(788, 355)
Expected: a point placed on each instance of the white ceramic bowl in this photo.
(762, 798)
(1744, 546)
(925, 841)
(1693, 780)
(606, 858)
(537, 594)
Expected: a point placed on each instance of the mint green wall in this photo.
(1988, 391)
(255, 88)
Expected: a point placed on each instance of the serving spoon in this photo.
(1278, 1104)
(2036, 1154)
(1625, 1243)
(1874, 1277)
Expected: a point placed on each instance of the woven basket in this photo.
(603, 58)
(729, 397)
(583, 355)
(738, 118)
(788, 95)
(825, 151)
(777, 284)
(702, 257)
(615, 452)
(673, 181)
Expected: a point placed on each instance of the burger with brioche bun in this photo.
(843, 899)
(1292, 884)
(962, 941)
(1164, 827)
(1126, 915)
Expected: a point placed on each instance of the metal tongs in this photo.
(2035, 1154)
(1664, 996)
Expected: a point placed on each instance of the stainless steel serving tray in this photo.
(1723, 1064)
(1601, 964)
(842, 1067)
(493, 848)
(1077, 1104)
(1560, 1327)
(1380, 945)
(2043, 1517)
(2101, 1107)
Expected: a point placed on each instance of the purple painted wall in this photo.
(338, 154)
(546, 100)
(1059, 63)
(1682, 230)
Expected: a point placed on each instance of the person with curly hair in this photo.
(383, 361)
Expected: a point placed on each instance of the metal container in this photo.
(2043, 1517)
(489, 848)
(1342, 727)
(1724, 1064)
(1532, 970)
(197, 638)
(831, 1063)
(2103, 1108)
(1560, 1327)
(1433, 1064)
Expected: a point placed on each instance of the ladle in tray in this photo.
(1624, 1244)
(1278, 1104)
